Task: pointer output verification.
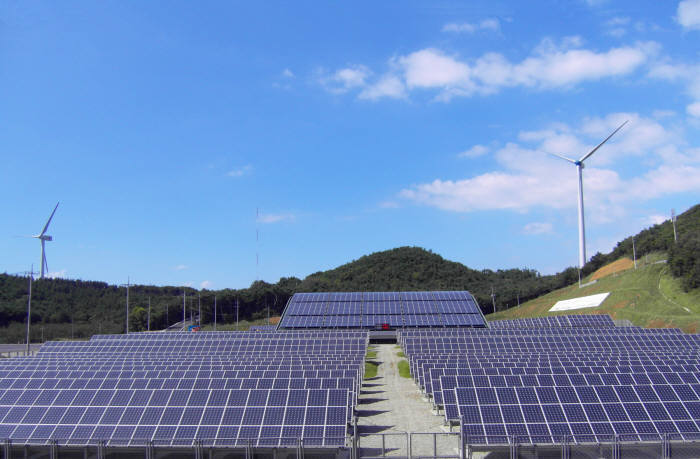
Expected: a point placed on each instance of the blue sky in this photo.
(353, 127)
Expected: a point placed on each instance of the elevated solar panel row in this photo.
(381, 309)
(581, 320)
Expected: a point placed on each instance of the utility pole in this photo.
(673, 220)
(127, 285)
(634, 253)
(29, 307)
(214, 312)
(236, 313)
(167, 319)
(518, 299)
(184, 308)
(148, 327)
(493, 299)
(199, 302)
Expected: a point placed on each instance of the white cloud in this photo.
(276, 218)
(689, 14)
(683, 73)
(694, 109)
(180, 267)
(287, 73)
(206, 284)
(491, 24)
(474, 152)
(527, 178)
(656, 219)
(346, 79)
(387, 86)
(617, 26)
(56, 274)
(550, 65)
(431, 67)
(538, 228)
(240, 172)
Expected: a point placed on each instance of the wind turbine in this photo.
(43, 237)
(579, 168)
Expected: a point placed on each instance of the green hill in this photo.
(648, 296)
(65, 308)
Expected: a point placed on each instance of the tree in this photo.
(684, 260)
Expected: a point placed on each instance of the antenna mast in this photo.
(673, 220)
(257, 245)
(127, 285)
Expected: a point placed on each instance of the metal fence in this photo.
(410, 445)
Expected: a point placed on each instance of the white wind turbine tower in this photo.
(43, 237)
(579, 168)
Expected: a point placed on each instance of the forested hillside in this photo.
(64, 308)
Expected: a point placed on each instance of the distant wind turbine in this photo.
(43, 237)
(579, 168)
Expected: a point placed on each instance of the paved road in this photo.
(393, 405)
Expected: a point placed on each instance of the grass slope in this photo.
(648, 296)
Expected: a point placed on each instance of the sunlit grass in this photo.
(404, 369)
(647, 296)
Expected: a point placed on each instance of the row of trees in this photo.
(73, 308)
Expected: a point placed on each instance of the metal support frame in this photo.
(300, 449)
(665, 447)
(513, 447)
(7, 449)
(198, 449)
(616, 448)
(53, 449)
(101, 450)
(565, 448)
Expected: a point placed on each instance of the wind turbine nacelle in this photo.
(47, 238)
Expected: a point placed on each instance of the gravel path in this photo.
(391, 404)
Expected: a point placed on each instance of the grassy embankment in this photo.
(647, 296)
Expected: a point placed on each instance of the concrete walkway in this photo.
(393, 405)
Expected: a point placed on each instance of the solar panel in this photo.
(574, 377)
(125, 394)
(412, 309)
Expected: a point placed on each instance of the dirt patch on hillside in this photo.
(657, 323)
(618, 305)
(274, 320)
(623, 264)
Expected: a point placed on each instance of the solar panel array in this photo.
(374, 309)
(579, 320)
(571, 383)
(175, 389)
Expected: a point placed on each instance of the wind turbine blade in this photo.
(46, 265)
(601, 143)
(49, 221)
(563, 157)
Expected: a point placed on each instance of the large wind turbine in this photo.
(43, 237)
(579, 168)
